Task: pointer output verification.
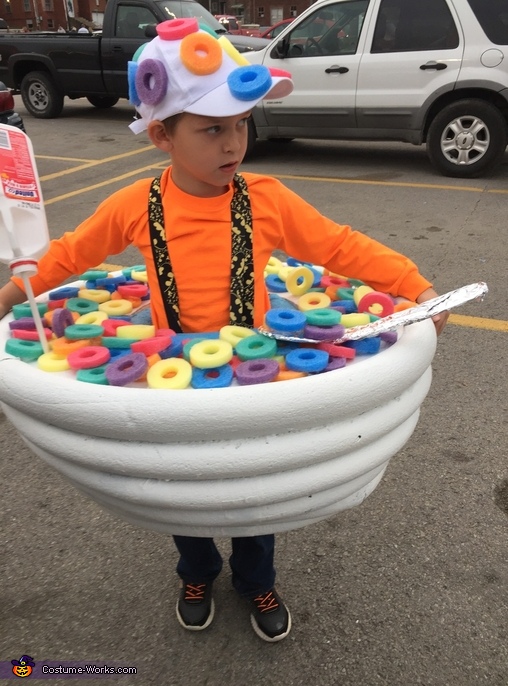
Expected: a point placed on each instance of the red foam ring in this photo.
(32, 335)
(165, 332)
(111, 325)
(376, 298)
(151, 346)
(54, 304)
(336, 350)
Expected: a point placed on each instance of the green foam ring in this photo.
(114, 342)
(24, 310)
(323, 317)
(345, 293)
(256, 347)
(29, 351)
(95, 375)
(81, 305)
(93, 275)
(76, 332)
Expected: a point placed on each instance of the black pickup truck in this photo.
(45, 67)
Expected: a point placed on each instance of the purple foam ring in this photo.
(127, 369)
(262, 370)
(389, 337)
(335, 363)
(24, 323)
(324, 333)
(132, 68)
(249, 82)
(151, 81)
(62, 318)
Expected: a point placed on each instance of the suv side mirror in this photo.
(151, 31)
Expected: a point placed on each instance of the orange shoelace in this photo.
(194, 592)
(266, 602)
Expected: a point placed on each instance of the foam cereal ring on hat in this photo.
(249, 82)
(151, 81)
(230, 50)
(201, 54)
(176, 29)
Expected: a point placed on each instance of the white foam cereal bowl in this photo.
(236, 461)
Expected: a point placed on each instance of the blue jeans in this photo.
(251, 562)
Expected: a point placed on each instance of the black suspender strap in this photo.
(241, 309)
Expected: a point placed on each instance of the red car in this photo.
(274, 30)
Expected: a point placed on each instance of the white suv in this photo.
(420, 71)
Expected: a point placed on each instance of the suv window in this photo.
(331, 31)
(492, 16)
(414, 25)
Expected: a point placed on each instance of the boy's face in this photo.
(205, 151)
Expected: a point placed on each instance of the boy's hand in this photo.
(10, 295)
(438, 319)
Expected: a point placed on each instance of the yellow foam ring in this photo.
(136, 331)
(313, 301)
(98, 296)
(284, 272)
(92, 318)
(116, 307)
(230, 50)
(355, 319)
(300, 280)
(359, 292)
(234, 334)
(273, 265)
(201, 54)
(173, 373)
(52, 362)
(210, 353)
(139, 276)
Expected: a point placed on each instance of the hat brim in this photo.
(220, 103)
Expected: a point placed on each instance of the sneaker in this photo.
(195, 607)
(270, 618)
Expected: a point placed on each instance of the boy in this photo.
(206, 234)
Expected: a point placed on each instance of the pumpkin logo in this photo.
(23, 667)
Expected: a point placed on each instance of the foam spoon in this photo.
(24, 233)
(425, 310)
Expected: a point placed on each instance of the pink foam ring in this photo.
(165, 332)
(88, 357)
(111, 325)
(151, 81)
(176, 29)
(126, 369)
(62, 318)
(336, 350)
(274, 71)
(55, 304)
(262, 370)
(329, 280)
(26, 335)
(133, 290)
(151, 346)
(372, 302)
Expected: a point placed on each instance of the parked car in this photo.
(230, 23)
(431, 72)
(273, 31)
(7, 113)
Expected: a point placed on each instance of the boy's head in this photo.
(187, 69)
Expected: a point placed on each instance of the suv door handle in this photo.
(336, 70)
(438, 66)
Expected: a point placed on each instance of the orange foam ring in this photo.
(64, 346)
(404, 305)
(287, 374)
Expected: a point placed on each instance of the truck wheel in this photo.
(102, 102)
(467, 138)
(40, 95)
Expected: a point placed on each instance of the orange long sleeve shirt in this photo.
(198, 231)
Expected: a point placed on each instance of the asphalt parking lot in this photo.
(409, 588)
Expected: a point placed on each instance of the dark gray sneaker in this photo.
(195, 607)
(270, 618)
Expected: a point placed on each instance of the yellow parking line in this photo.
(479, 322)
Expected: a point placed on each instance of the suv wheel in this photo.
(467, 138)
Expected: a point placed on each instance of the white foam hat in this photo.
(186, 69)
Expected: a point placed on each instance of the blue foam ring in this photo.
(121, 317)
(64, 293)
(95, 375)
(285, 347)
(317, 277)
(132, 68)
(118, 352)
(151, 81)
(217, 377)
(285, 321)
(293, 262)
(250, 82)
(275, 284)
(348, 306)
(279, 303)
(307, 360)
(366, 346)
(29, 351)
(173, 350)
(111, 281)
